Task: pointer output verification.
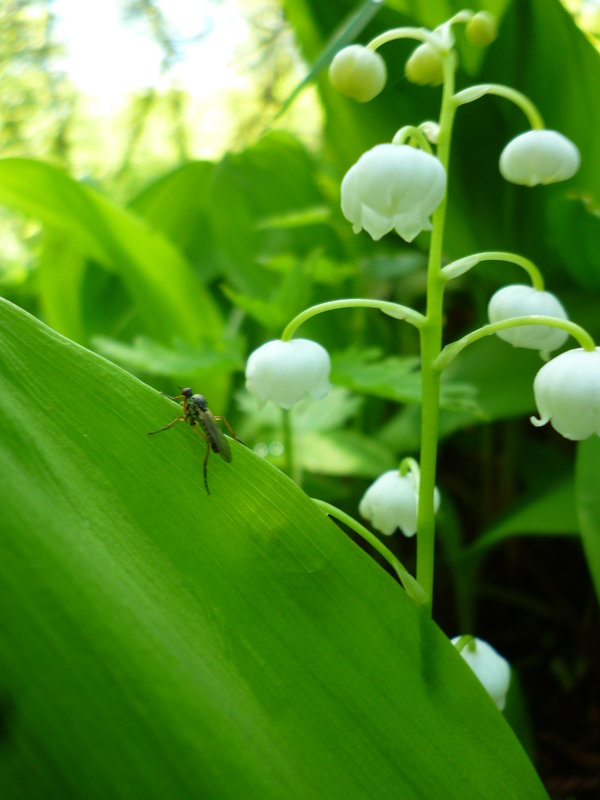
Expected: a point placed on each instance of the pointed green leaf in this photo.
(159, 642)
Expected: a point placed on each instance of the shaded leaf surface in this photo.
(588, 504)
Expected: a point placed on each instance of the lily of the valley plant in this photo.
(400, 188)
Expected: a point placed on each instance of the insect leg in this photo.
(166, 428)
(168, 396)
(231, 431)
(205, 469)
(207, 440)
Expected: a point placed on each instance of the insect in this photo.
(199, 416)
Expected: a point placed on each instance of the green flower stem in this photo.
(288, 446)
(451, 350)
(462, 265)
(391, 309)
(410, 132)
(431, 345)
(421, 34)
(409, 464)
(414, 591)
(519, 99)
(461, 16)
(467, 641)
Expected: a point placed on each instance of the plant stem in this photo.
(518, 98)
(449, 353)
(420, 34)
(458, 268)
(406, 579)
(288, 446)
(408, 132)
(431, 345)
(391, 309)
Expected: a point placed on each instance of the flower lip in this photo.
(393, 187)
(284, 372)
(518, 300)
(539, 156)
(567, 394)
(390, 502)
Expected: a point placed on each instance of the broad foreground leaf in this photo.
(158, 642)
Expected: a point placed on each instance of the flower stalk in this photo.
(391, 309)
(450, 351)
(508, 93)
(406, 579)
(431, 345)
(463, 265)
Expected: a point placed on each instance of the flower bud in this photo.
(481, 29)
(539, 157)
(393, 187)
(391, 502)
(567, 394)
(425, 66)
(490, 668)
(358, 72)
(285, 371)
(522, 301)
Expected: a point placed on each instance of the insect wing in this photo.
(218, 442)
(223, 445)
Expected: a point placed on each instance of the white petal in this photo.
(284, 372)
(391, 503)
(518, 300)
(393, 187)
(490, 668)
(567, 393)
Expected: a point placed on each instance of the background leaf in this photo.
(167, 296)
(551, 514)
(588, 504)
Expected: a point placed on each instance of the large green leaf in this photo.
(158, 642)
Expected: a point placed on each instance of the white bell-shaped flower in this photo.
(539, 156)
(393, 187)
(567, 394)
(519, 300)
(490, 668)
(391, 502)
(285, 371)
(358, 72)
